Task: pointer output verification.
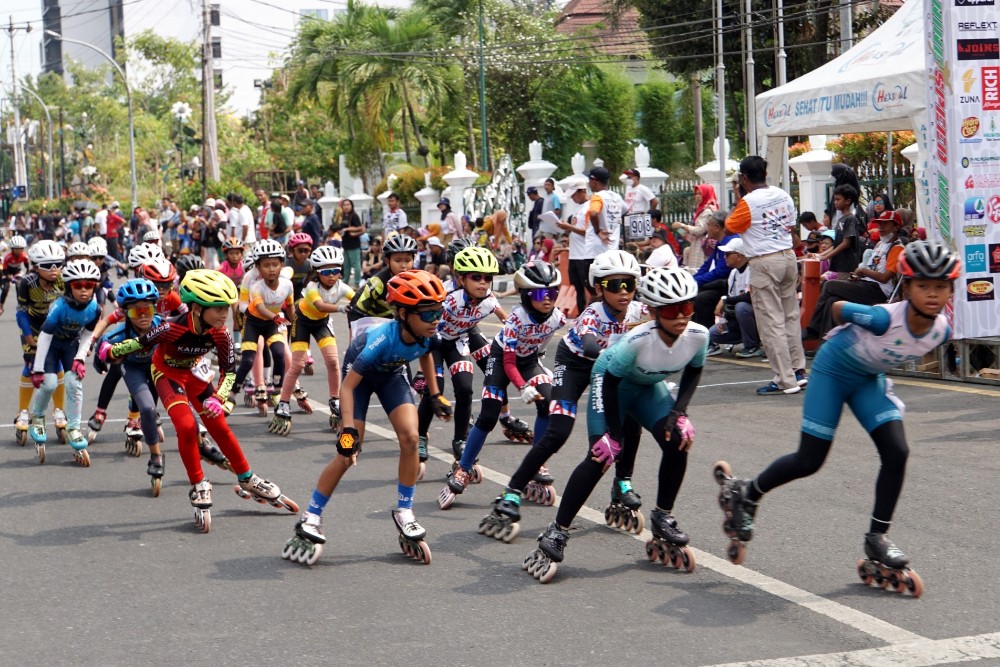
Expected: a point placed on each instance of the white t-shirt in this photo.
(578, 242)
(247, 223)
(609, 220)
(662, 257)
(772, 217)
(394, 220)
(638, 198)
(101, 220)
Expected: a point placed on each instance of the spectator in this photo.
(437, 258)
(373, 262)
(605, 210)
(712, 274)
(534, 221)
(696, 234)
(846, 251)
(662, 254)
(311, 225)
(735, 307)
(279, 219)
(315, 194)
(764, 218)
(638, 197)
(301, 197)
(580, 258)
(550, 204)
(351, 229)
(113, 230)
(394, 218)
(451, 226)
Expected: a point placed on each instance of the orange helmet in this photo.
(415, 288)
(160, 271)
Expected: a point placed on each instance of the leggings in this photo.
(108, 386)
(60, 356)
(460, 368)
(274, 341)
(583, 480)
(142, 391)
(302, 331)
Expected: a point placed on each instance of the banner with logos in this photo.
(963, 111)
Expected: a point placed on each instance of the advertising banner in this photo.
(963, 111)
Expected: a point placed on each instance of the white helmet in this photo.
(45, 252)
(144, 253)
(80, 269)
(326, 255)
(663, 286)
(98, 247)
(268, 248)
(17, 241)
(161, 267)
(614, 262)
(151, 236)
(78, 249)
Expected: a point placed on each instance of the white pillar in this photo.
(459, 179)
(813, 170)
(918, 159)
(428, 198)
(329, 202)
(709, 173)
(534, 172)
(362, 203)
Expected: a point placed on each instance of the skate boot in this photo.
(261, 399)
(201, 500)
(411, 536)
(264, 492)
(78, 441)
(59, 421)
(542, 563)
(95, 423)
(516, 430)
(669, 543)
(886, 566)
(301, 397)
(503, 522)
(133, 438)
(155, 471)
(623, 512)
(210, 452)
(309, 369)
(334, 413)
(738, 509)
(21, 423)
(273, 394)
(306, 545)
(458, 481)
(248, 396)
(422, 455)
(457, 448)
(539, 490)
(36, 429)
(281, 422)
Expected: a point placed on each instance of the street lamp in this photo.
(48, 119)
(128, 95)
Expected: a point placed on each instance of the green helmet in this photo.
(208, 288)
(475, 260)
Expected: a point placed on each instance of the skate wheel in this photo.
(262, 409)
(914, 583)
(528, 560)
(491, 529)
(289, 504)
(61, 432)
(82, 457)
(289, 549)
(550, 496)
(609, 516)
(685, 559)
(203, 519)
(737, 552)
(883, 578)
(727, 528)
(92, 436)
(476, 474)
(306, 406)
(155, 484)
(722, 472)
(311, 554)
(509, 533)
(638, 523)
(425, 553)
(652, 552)
(446, 498)
(863, 574)
(546, 574)
(21, 437)
(422, 471)
(40, 450)
(484, 523)
(537, 560)
(620, 520)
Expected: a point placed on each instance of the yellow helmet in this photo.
(475, 260)
(208, 288)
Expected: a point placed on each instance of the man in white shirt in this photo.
(638, 198)
(101, 221)
(577, 228)
(394, 219)
(663, 254)
(605, 209)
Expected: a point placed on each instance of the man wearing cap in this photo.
(662, 255)
(735, 307)
(301, 197)
(114, 224)
(436, 258)
(638, 198)
(579, 259)
(394, 218)
(606, 208)
(537, 203)
(764, 218)
(311, 225)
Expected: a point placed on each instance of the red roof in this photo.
(626, 39)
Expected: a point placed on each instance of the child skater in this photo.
(850, 369)
(374, 364)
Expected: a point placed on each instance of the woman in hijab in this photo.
(699, 245)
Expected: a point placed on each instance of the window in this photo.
(217, 78)
(215, 18)
(321, 14)
(216, 47)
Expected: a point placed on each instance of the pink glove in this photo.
(102, 350)
(213, 406)
(37, 379)
(79, 368)
(606, 450)
(685, 428)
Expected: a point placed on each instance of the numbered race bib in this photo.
(638, 226)
(203, 370)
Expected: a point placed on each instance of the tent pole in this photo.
(888, 153)
(720, 95)
(751, 84)
(782, 58)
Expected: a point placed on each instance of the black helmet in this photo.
(187, 263)
(535, 274)
(457, 246)
(929, 260)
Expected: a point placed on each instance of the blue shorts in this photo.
(392, 391)
(61, 354)
(646, 403)
(870, 398)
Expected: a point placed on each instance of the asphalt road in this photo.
(96, 571)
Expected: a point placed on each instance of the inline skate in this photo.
(281, 422)
(261, 399)
(21, 424)
(306, 546)
(739, 511)
(201, 500)
(155, 470)
(887, 567)
(503, 522)
(210, 452)
(669, 543)
(309, 369)
(623, 512)
(78, 441)
(133, 437)
(334, 404)
(539, 490)
(264, 492)
(457, 449)
(411, 536)
(422, 455)
(516, 430)
(36, 430)
(59, 421)
(458, 480)
(273, 393)
(543, 562)
(248, 395)
(301, 397)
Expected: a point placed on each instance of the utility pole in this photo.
(483, 158)
(20, 168)
(62, 156)
(720, 102)
(209, 137)
(846, 25)
(751, 75)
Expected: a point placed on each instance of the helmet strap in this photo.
(406, 325)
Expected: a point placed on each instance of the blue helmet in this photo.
(136, 290)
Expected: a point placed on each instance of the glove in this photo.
(606, 450)
(529, 394)
(37, 379)
(101, 366)
(79, 368)
(419, 383)
(213, 406)
(441, 405)
(685, 428)
(349, 443)
(281, 321)
(103, 348)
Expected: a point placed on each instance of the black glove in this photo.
(349, 442)
(671, 421)
(441, 405)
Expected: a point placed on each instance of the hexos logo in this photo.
(975, 259)
(975, 208)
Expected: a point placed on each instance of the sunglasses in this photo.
(479, 277)
(879, 202)
(164, 284)
(429, 316)
(85, 284)
(330, 272)
(136, 312)
(543, 293)
(618, 284)
(51, 266)
(674, 311)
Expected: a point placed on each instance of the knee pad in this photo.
(463, 366)
(50, 382)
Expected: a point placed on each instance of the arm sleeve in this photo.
(685, 391)
(606, 394)
(510, 367)
(83, 348)
(739, 220)
(42, 351)
(872, 318)
(23, 321)
(591, 348)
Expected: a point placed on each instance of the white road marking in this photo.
(915, 654)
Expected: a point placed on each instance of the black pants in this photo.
(865, 292)
(707, 299)
(253, 329)
(579, 278)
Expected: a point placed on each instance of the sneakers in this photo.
(713, 349)
(800, 377)
(771, 389)
(749, 353)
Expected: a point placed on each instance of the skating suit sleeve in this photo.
(370, 301)
(461, 314)
(597, 321)
(383, 351)
(641, 357)
(116, 316)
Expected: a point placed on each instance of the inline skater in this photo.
(297, 269)
(15, 265)
(369, 307)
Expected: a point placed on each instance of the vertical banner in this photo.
(963, 108)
